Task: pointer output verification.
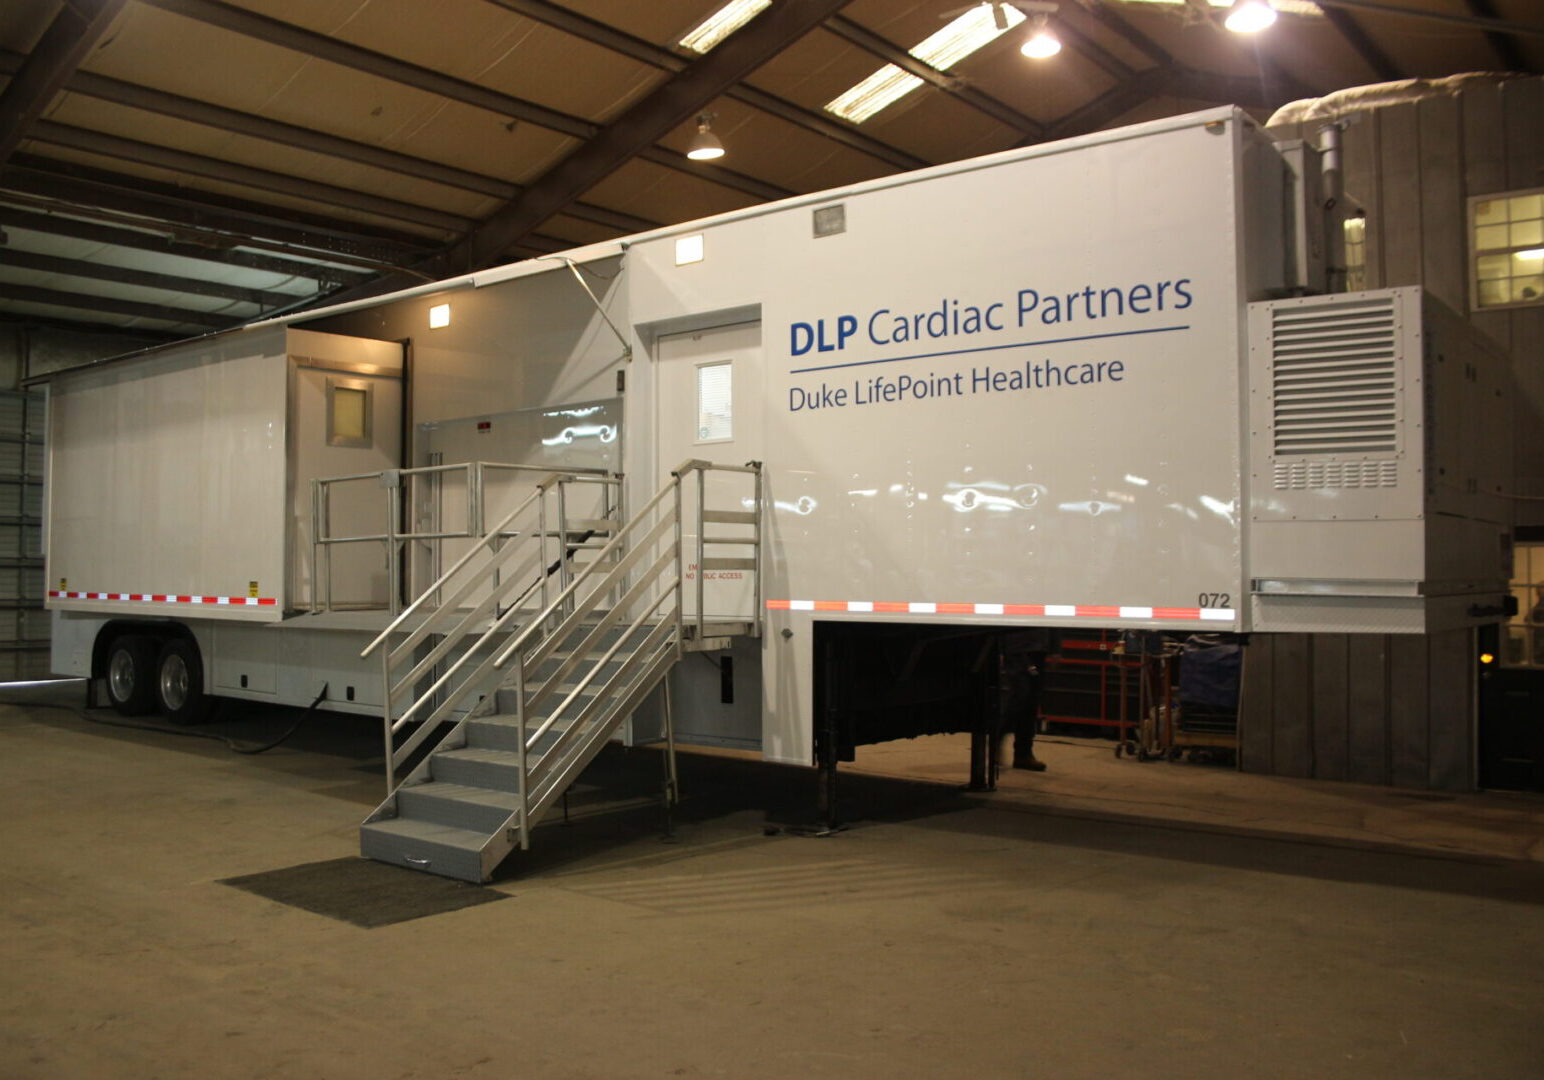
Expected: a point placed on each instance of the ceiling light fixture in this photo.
(979, 25)
(723, 22)
(1041, 43)
(705, 145)
(1249, 16)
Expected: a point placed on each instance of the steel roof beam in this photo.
(158, 242)
(1505, 47)
(1112, 21)
(258, 127)
(180, 161)
(31, 294)
(891, 53)
(1223, 89)
(309, 43)
(1110, 105)
(123, 275)
(1155, 82)
(598, 33)
(81, 326)
(55, 56)
(1360, 41)
(639, 127)
(246, 223)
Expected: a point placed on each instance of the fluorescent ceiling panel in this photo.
(1287, 7)
(941, 50)
(723, 22)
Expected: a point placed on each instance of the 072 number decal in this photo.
(1214, 600)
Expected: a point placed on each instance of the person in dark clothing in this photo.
(1021, 657)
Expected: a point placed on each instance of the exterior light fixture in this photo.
(1041, 43)
(1249, 16)
(439, 316)
(705, 145)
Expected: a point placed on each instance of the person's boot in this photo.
(1028, 761)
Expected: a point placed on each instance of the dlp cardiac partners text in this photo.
(954, 319)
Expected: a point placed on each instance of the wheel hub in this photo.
(174, 682)
(121, 675)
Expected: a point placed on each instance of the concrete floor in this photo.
(940, 936)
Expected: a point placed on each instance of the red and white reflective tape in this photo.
(1033, 611)
(159, 598)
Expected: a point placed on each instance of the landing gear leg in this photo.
(671, 793)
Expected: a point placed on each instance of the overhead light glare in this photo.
(1249, 16)
(1042, 43)
(1283, 7)
(942, 50)
(723, 22)
(705, 145)
(887, 85)
(1529, 254)
(964, 35)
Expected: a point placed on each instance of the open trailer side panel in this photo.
(167, 483)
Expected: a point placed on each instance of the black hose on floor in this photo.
(159, 729)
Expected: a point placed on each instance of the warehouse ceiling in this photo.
(172, 167)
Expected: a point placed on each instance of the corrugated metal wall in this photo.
(23, 623)
(1397, 709)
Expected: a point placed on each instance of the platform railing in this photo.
(391, 534)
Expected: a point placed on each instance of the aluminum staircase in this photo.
(527, 667)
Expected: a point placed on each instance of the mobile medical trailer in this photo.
(1084, 384)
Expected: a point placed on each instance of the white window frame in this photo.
(1471, 244)
(1529, 590)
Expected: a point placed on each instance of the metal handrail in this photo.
(460, 565)
(631, 593)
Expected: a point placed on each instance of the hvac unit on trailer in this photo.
(1067, 387)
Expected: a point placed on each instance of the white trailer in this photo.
(1083, 384)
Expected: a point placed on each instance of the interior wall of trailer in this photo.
(1388, 709)
(525, 342)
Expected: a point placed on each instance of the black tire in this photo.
(179, 683)
(131, 667)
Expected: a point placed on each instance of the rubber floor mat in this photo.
(363, 892)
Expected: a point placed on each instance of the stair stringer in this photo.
(545, 795)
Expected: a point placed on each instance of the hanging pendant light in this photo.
(1249, 16)
(1041, 42)
(705, 145)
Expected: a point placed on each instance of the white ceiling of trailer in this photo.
(175, 166)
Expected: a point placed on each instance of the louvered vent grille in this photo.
(1333, 381)
(1303, 475)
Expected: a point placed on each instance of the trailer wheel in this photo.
(179, 683)
(131, 674)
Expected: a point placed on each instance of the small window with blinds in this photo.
(715, 402)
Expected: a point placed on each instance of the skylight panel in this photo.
(1286, 7)
(723, 22)
(941, 50)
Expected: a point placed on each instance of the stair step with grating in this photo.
(457, 805)
(503, 733)
(423, 845)
(477, 766)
